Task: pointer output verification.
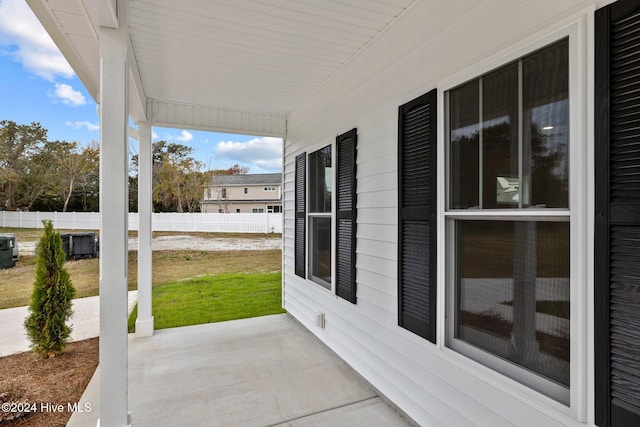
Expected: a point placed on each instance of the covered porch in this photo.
(362, 93)
(234, 67)
(264, 371)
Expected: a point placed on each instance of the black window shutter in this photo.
(346, 216)
(417, 216)
(617, 224)
(301, 215)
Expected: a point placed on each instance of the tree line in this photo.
(43, 175)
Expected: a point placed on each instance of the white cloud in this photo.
(184, 136)
(29, 43)
(259, 154)
(68, 95)
(81, 124)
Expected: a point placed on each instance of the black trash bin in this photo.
(6, 253)
(84, 245)
(14, 244)
(66, 245)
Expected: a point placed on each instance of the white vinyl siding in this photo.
(432, 384)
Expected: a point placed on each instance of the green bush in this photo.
(51, 299)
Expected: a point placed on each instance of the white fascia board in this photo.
(215, 119)
(42, 12)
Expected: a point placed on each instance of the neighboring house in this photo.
(470, 240)
(249, 193)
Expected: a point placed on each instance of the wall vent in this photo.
(320, 320)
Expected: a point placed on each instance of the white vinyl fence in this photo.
(208, 222)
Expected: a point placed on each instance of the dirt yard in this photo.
(198, 243)
(184, 242)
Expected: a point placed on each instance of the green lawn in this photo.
(232, 284)
(215, 298)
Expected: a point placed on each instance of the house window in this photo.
(238, 210)
(246, 190)
(507, 220)
(224, 193)
(208, 193)
(269, 188)
(257, 210)
(314, 216)
(320, 195)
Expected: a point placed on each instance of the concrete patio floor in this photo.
(265, 371)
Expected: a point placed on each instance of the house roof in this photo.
(276, 202)
(248, 179)
(235, 66)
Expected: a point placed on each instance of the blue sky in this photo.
(38, 85)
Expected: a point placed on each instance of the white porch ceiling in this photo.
(248, 61)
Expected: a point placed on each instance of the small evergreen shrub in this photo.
(51, 299)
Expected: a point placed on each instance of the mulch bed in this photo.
(43, 393)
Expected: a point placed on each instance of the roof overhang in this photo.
(234, 66)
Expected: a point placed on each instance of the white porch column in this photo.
(114, 206)
(144, 322)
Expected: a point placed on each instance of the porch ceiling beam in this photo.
(215, 119)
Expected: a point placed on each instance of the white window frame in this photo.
(580, 34)
(309, 239)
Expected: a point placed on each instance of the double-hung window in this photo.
(507, 220)
(320, 208)
(325, 228)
